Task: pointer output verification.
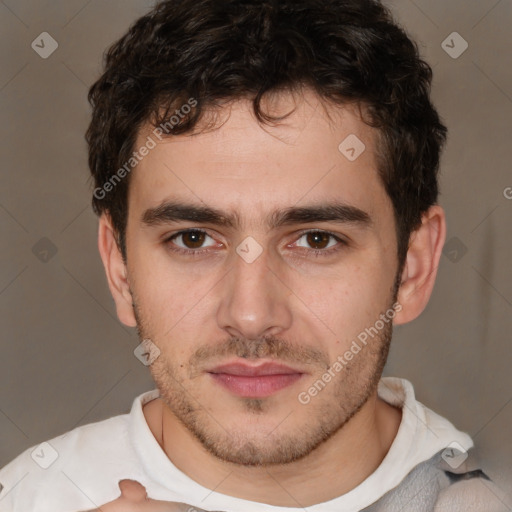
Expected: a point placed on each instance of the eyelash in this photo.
(316, 252)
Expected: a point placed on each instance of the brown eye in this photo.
(191, 239)
(319, 243)
(318, 239)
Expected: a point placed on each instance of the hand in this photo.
(134, 499)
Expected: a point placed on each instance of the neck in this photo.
(337, 466)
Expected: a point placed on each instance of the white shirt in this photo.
(85, 464)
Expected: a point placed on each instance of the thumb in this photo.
(133, 491)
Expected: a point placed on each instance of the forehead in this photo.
(243, 165)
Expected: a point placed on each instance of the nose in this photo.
(254, 301)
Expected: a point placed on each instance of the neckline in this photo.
(412, 444)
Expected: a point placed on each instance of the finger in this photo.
(133, 491)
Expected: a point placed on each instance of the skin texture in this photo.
(289, 305)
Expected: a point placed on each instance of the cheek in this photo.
(160, 297)
(343, 304)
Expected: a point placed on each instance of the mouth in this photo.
(258, 381)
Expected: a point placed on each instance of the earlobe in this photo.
(420, 270)
(116, 271)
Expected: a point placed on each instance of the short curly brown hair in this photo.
(217, 50)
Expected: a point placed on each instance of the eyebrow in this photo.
(175, 211)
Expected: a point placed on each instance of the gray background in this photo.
(66, 360)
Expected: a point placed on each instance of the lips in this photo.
(254, 371)
(254, 381)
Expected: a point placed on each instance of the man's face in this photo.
(264, 287)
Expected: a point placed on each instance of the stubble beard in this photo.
(302, 429)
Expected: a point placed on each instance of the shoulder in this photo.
(467, 487)
(450, 481)
(472, 495)
(31, 481)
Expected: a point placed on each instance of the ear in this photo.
(420, 269)
(116, 271)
